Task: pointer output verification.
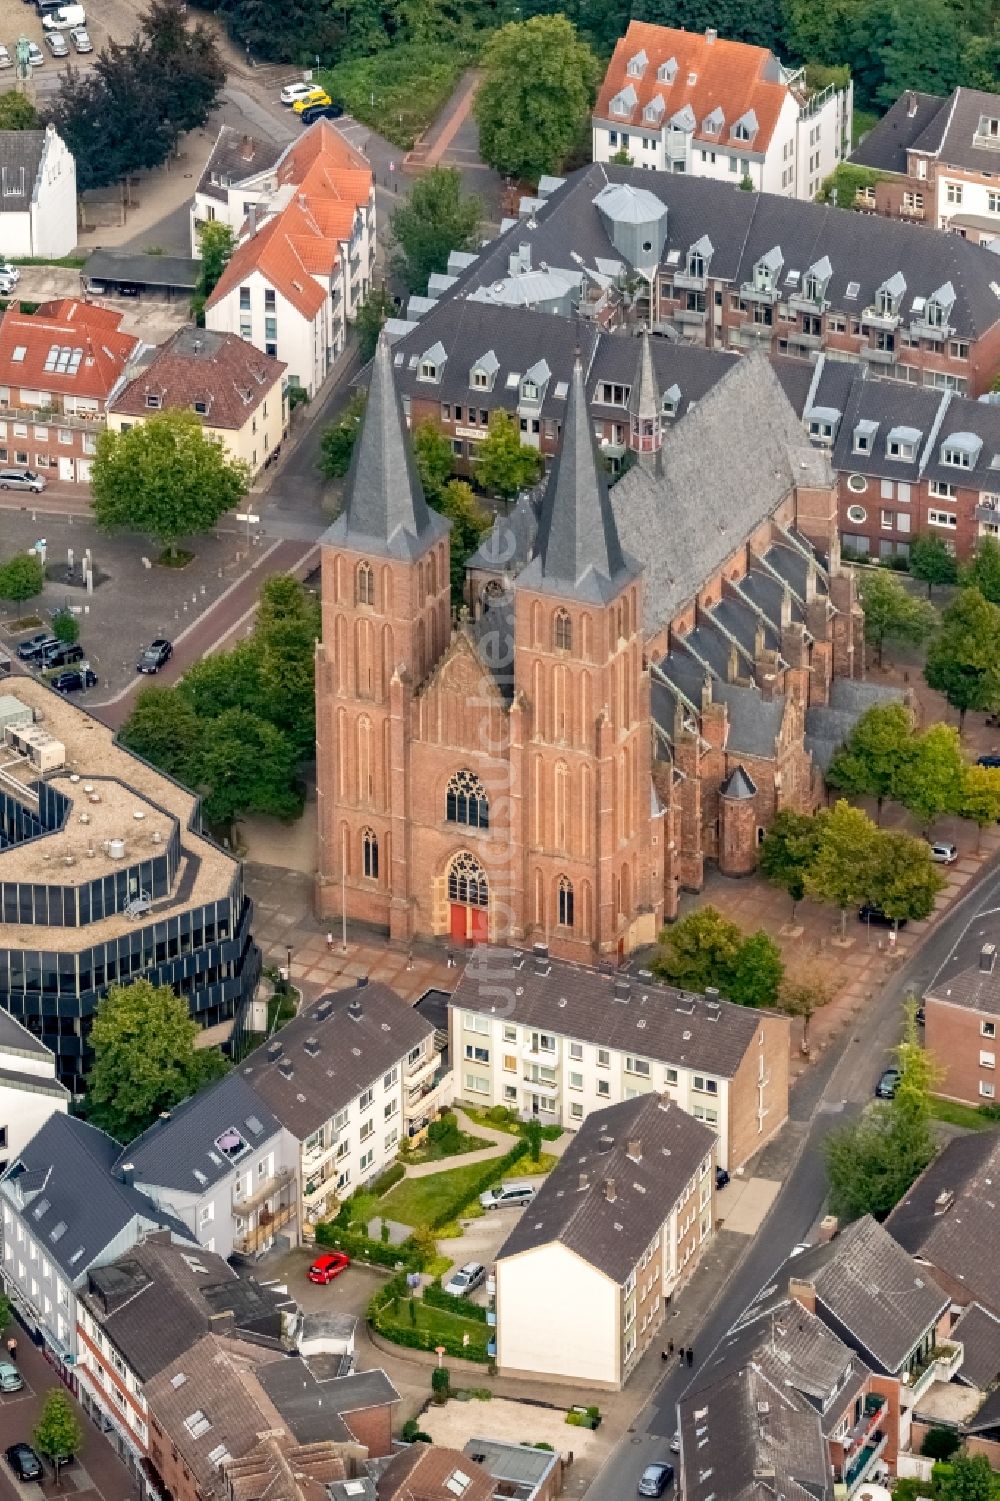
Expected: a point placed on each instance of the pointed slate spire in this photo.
(385, 511)
(644, 400)
(578, 553)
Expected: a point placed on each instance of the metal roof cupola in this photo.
(385, 511)
(578, 551)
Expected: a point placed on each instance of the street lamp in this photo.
(288, 965)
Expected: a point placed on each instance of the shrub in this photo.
(940, 1443)
(411, 1255)
(436, 1297)
(412, 1433)
(66, 628)
(499, 1115)
(991, 1112)
(491, 1174)
(441, 1383)
(392, 1175)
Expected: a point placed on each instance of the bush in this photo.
(441, 1383)
(584, 1417)
(66, 628)
(410, 1254)
(491, 1174)
(21, 577)
(991, 1112)
(435, 1295)
(392, 1175)
(499, 1115)
(940, 1443)
(412, 1433)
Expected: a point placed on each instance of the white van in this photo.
(508, 1196)
(64, 18)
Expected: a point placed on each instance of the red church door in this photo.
(480, 925)
(459, 922)
(468, 897)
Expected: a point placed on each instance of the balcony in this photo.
(434, 1095)
(934, 333)
(861, 1465)
(548, 1087)
(805, 341)
(940, 1364)
(425, 1068)
(988, 513)
(314, 1159)
(264, 1190)
(751, 293)
(49, 417)
(756, 333)
(692, 316)
(872, 318)
(689, 283)
(269, 1222)
(877, 356)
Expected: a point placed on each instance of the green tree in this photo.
(933, 562)
(929, 776)
(869, 764)
(843, 866)
(802, 994)
(539, 83)
(246, 765)
(184, 65)
(533, 1136)
(905, 880)
(284, 639)
(891, 613)
(698, 950)
(4, 1312)
(17, 112)
(225, 680)
(963, 661)
(788, 850)
(755, 975)
(164, 477)
(979, 796)
(469, 525)
(922, 51)
(337, 443)
(164, 729)
(940, 1443)
(21, 577)
(983, 573)
(969, 1478)
(622, 158)
(436, 219)
(441, 1383)
(145, 1059)
(432, 451)
(216, 243)
(504, 465)
(370, 317)
(57, 1435)
(66, 628)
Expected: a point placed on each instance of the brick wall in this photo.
(954, 1036)
(747, 1134)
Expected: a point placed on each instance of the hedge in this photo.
(435, 1295)
(491, 1174)
(403, 1333)
(362, 1248)
(393, 1174)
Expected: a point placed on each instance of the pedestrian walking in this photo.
(670, 1347)
(329, 943)
(12, 1350)
(690, 1356)
(680, 1355)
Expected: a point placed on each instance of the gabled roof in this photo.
(422, 1472)
(68, 347)
(884, 147)
(287, 251)
(384, 511)
(578, 551)
(953, 137)
(978, 1331)
(315, 1408)
(235, 157)
(180, 1150)
(970, 975)
(711, 73)
(21, 153)
(220, 372)
(615, 1184)
(74, 1199)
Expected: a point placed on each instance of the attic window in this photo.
(637, 65)
(178, 1379)
(458, 1482)
(20, 350)
(152, 400)
(231, 1144)
(197, 1424)
(853, 288)
(989, 128)
(39, 1209)
(513, 381)
(667, 72)
(428, 370)
(480, 380)
(58, 1231)
(254, 1125)
(201, 407)
(529, 390)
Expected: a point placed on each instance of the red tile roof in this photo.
(52, 336)
(301, 241)
(710, 74)
(222, 371)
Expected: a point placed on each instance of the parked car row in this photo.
(46, 652)
(310, 102)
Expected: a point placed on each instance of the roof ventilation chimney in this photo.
(635, 1149)
(944, 1201)
(911, 104)
(623, 988)
(354, 1009)
(610, 1192)
(127, 1173)
(541, 953)
(710, 35)
(584, 1181)
(362, 982)
(987, 958)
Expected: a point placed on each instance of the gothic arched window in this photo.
(563, 631)
(466, 801)
(467, 881)
(565, 902)
(369, 854)
(365, 584)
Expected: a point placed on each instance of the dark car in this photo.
(156, 655)
(888, 1083)
(876, 918)
(76, 681)
(321, 112)
(24, 1462)
(721, 1177)
(62, 654)
(31, 651)
(993, 761)
(656, 1478)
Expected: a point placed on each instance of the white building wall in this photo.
(958, 197)
(299, 341)
(53, 208)
(558, 1316)
(24, 1110)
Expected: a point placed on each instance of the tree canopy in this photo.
(57, 1435)
(983, 572)
(216, 243)
(436, 219)
(370, 317)
(843, 869)
(165, 477)
(540, 82)
(928, 778)
(788, 850)
(891, 612)
(21, 577)
(968, 1477)
(145, 1059)
(337, 443)
(963, 660)
(869, 764)
(503, 464)
(933, 562)
(706, 949)
(17, 112)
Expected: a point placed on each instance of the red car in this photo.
(325, 1268)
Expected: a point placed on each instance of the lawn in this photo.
(435, 1326)
(512, 1126)
(864, 121)
(436, 1151)
(956, 1114)
(400, 91)
(416, 1201)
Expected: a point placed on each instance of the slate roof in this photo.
(967, 978)
(235, 157)
(951, 137)
(510, 541)
(960, 1242)
(754, 722)
(578, 553)
(17, 1039)
(492, 635)
(873, 1290)
(655, 1021)
(884, 147)
(978, 1330)
(612, 1232)
(385, 511)
(21, 153)
(34, 1083)
(422, 1472)
(315, 1409)
(331, 1051)
(738, 785)
(180, 1152)
(684, 524)
(69, 1168)
(829, 725)
(225, 373)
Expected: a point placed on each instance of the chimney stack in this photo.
(584, 1181)
(710, 35)
(623, 988)
(127, 1173)
(541, 956)
(635, 1149)
(610, 1192)
(943, 1202)
(987, 958)
(354, 1009)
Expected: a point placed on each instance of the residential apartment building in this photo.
(29, 1089)
(66, 1209)
(38, 205)
(347, 1079)
(561, 1041)
(306, 251)
(939, 160)
(962, 1007)
(235, 390)
(59, 368)
(223, 1165)
(615, 1229)
(92, 838)
(741, 271)
(138, 1313)
(677, 101)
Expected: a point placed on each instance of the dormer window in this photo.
(961, 450)
(529, 390)
(939, 305)
(989, 128)
(625, 102)
(696, 264)
(428, 370)
(653, 113)
(637, 65)
(823, 424)
(767, 270)
(864, 436)
(480, 380)
(432, 363)
(817, 280)
(889, 296)
(956, 458)
(670, 401)
(713, 123)
(201, 407)
(746, 127)
(902, 443)
(152, 400)
(667, 72)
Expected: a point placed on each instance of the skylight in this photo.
(197, 1424)
(57, 1231)
(254, 1125)
(39, 1209)
(178, 1380)
(231, 1144)
(853, 288)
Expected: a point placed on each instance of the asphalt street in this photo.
(836, 1089)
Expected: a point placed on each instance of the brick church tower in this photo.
(386, 620)
(582, 696)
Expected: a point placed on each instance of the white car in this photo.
(943, 853)
(293, 91)
(466, 1279)
(6, 61)
(63, 18)
(7, 283)
(57, 44)
(80, 37)
(36, 57)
